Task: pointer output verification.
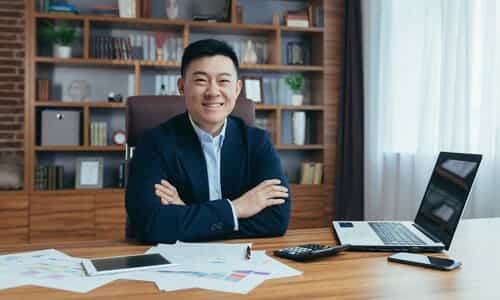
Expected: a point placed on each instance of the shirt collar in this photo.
(204, 136)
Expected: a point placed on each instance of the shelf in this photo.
(289, 107)
(115, 62)
(78, 191)
(84, 61)
(110, 148)
(297, 185)
(196, 25)
(302, 29)
(13, 193)
(299, 147)
(269, 67)
(61, 104)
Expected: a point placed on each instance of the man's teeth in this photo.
(213, 105)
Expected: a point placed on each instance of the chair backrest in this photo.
(145, 112)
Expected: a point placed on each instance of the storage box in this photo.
(60, 127)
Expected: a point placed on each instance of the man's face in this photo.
(210, 86)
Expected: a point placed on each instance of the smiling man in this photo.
(205, 175)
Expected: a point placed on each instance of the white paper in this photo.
(219, 267)
(181, 253)
(47, 268)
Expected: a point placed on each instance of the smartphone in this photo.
(425, 261)
(116, 264)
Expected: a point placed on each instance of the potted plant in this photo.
(61, 36)
(296, 82)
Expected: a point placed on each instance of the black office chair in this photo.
(145, 112)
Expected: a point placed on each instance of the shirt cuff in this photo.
(235, 219)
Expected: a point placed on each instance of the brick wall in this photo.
(12, 75)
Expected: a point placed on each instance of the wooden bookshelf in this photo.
(94, 210)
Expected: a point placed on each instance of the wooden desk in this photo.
(352, 275)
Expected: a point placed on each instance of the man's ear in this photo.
(180, 85)
(239, 85)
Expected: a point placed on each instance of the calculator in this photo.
(309, 251)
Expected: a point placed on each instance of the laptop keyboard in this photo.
(395, 233)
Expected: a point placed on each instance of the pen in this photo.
(248, 254)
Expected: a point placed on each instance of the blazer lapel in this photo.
(191, 157)
(233, 161)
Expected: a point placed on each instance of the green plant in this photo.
(61, 33)
(295, 82)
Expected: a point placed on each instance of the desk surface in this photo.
(351, 275)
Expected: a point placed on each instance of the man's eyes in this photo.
(203, 80)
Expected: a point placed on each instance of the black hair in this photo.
(207, 47)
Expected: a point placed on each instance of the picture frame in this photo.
(252, 89)
(89, 172)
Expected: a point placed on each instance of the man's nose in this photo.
(212, 89)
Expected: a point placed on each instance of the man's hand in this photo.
(168, 193)
(267, 193)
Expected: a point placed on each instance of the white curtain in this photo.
(432, 83)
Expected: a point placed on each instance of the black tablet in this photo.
(116, 264)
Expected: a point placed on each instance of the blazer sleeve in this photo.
(273, 220)
(153, 222)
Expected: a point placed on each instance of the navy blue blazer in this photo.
(173, 152)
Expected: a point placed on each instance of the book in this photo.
(318, 173)
(43, 89)
(307, 173)
(297, 19)
(146, 8)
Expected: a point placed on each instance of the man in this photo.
(204, 175)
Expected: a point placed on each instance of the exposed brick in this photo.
(20, 136)
(5, 119)
(11, 62)
(20, 119)
(6, 86)
(12, 30)
(9, 22)
(11, 44)
(19, 54)
(9, 36)
(9, 127)
(11, 14)
(11, 94)
(11, 110)
(7, 101)
(7, 53)
(11, 78)
(19, 5)
(11, 145)
(7, 70)
(20, 86)
(6, 135)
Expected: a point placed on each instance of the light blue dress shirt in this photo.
(212, 146)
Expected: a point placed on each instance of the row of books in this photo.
(136, 47)
(98, 134)
(311, 173)
(109, 47)
(312, 16)
(49, 177)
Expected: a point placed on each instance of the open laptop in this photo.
(437, 218)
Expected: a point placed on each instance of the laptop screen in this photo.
(446, 195)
